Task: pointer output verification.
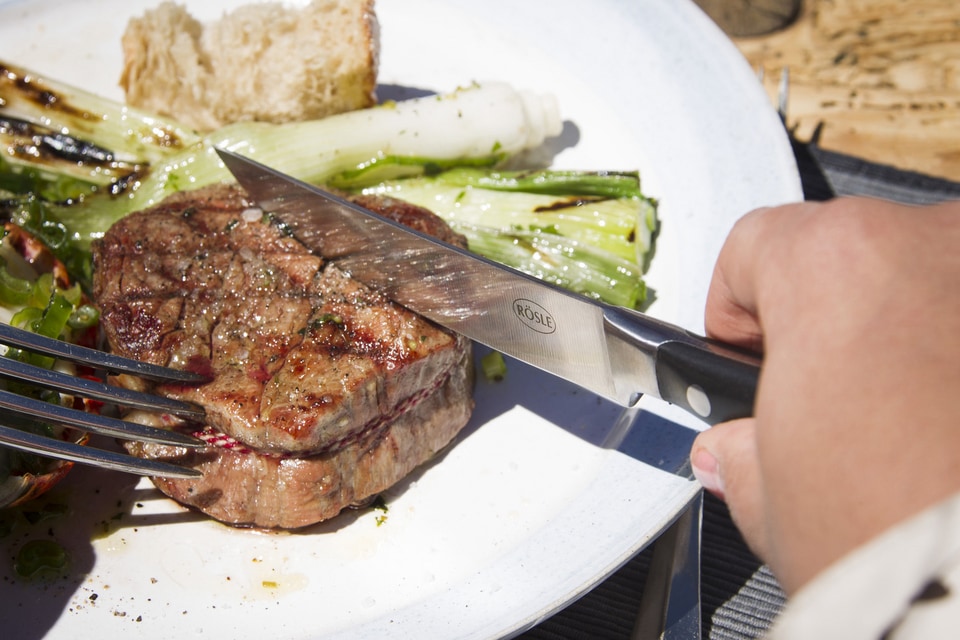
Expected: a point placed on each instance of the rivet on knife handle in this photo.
(709, 384)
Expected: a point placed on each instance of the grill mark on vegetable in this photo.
(568, 203)
(128, 181)
(52, 143)
(41, 145)
(35, 90)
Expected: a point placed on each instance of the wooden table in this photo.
(879, 78)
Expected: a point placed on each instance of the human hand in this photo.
(855, 304)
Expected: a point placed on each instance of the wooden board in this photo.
(880, 78)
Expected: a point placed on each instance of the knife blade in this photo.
(616, 353)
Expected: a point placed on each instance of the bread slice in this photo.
(268, 62)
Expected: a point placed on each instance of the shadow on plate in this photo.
(89, 504)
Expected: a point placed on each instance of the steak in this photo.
(322, 392)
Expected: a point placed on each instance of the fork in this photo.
(816, 183)
(783, 91)
(15, 407)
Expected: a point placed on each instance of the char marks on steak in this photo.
(323, 393)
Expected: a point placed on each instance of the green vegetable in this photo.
(41, 558)
(35, 302)
(85, 316)
(379, 504)
(43, 308)
(75, 163)
(131, 159)
(589, 232)
(493, 366)
(13, 290)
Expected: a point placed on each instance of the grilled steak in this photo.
(323, 393)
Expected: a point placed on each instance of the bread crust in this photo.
(264, 62)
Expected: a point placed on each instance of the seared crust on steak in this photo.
(316, 378)
(244, 487)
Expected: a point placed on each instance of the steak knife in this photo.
(617, 353)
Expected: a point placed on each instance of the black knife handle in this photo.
(707, 380)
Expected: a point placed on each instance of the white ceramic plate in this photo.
(528, 510)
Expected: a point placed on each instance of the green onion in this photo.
(589, 231)
(55, 316)
(147, 158)
(40, 513)
(35, 302)
(84, 317)
(41, 558)
(13, 290)
(493, 366)
(606, 184)
(26, 317)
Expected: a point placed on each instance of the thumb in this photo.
(725, 454)
(724, 460)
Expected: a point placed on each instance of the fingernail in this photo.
(706, 470)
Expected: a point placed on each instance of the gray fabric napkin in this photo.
(740, 597)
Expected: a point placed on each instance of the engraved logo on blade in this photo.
(534, 316)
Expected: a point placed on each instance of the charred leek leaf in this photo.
(75, 163)
(131, 159)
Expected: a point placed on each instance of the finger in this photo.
(731, 313)
(724, 460)
(731, 309)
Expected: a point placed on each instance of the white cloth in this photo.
(904, 584)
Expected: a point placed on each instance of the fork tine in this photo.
(32, 409)
(92, 357)
(93, 422)
(783, 93)
(33, 443)
(58, 381)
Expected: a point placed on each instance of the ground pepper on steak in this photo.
(323, 393)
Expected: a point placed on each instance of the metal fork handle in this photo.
(59, 381)
(670, 609)
(62, 450)
(113, 363)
